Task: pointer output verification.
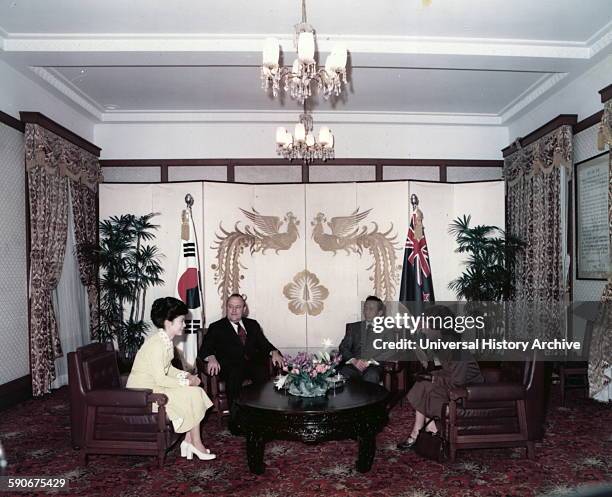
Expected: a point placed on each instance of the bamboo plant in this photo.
(129, 265)
(491, 256)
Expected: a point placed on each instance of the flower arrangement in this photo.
(306, 375)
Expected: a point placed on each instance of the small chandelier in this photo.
(302, 144)
(297, 79)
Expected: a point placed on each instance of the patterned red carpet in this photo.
(577, 450)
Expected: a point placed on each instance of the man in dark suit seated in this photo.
(236, 348)
(355, 347)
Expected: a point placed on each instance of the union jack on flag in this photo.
(416, 284)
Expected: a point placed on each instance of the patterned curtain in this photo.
(85, 233)
(51, 163)
(533, 186)
(600, 358)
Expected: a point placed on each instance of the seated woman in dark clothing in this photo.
(458, 368)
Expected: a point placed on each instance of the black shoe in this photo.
(406, 444)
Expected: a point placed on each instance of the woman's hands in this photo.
(194, 381)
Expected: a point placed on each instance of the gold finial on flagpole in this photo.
(185, 217)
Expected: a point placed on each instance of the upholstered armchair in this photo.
(505, 411)
(574, 373)
(109, 419)
(396, 378)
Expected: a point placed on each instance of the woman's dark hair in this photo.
(167, 308)
(438, 311)
(439, 317)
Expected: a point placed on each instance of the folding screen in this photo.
(305, 255)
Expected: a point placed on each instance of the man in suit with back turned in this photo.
(356, 348)
(236, 348)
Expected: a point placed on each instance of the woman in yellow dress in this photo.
(187, 402)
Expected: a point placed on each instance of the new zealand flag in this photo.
(416, 284)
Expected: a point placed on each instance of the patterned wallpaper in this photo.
(14, 361)
(342, 173)
(131, 174)
(585, 147)
(426, 173)
(197, 173)
(270, 174)
(293, 173)
(454, 174)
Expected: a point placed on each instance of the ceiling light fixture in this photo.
(298, 78)
(302, 144)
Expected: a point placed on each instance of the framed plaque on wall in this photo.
(592, 242)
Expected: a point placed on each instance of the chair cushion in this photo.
(101, 371)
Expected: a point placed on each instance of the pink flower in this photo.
(321, 368)
(295, 371)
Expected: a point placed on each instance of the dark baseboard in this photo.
(16, 391)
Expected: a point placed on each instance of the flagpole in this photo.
(189, 202)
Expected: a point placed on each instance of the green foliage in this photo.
(129, 267)
(491, 256)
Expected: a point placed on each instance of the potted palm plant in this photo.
(491, 256)
(129, 265)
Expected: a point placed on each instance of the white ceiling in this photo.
(473, 61)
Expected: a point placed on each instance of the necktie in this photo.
(242, 334)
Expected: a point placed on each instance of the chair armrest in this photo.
(128, 397)
(392, 366)
(488, 392)
(159, 398)
(201, 366)
(457, 393)
(209, 383)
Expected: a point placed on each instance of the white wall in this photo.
(579, 96)
(18, 93)
(257, 140)
(14, 359)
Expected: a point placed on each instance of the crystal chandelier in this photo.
(297, 79)
(302, 144)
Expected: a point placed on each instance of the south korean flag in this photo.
(188, 289)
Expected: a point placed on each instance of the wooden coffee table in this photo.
(355, 411)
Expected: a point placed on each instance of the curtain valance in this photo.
(542, 156)
(60, 157)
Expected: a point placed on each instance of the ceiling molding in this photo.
(67, 42)
(533, 95)
(600, 40)
(82, 101)
(69, 91)
(289, 117)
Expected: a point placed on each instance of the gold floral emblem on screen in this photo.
(305, 294)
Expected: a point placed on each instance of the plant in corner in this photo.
(129, 266)
(492, 254)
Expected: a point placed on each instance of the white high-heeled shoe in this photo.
(205, 456)
(184, 446)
